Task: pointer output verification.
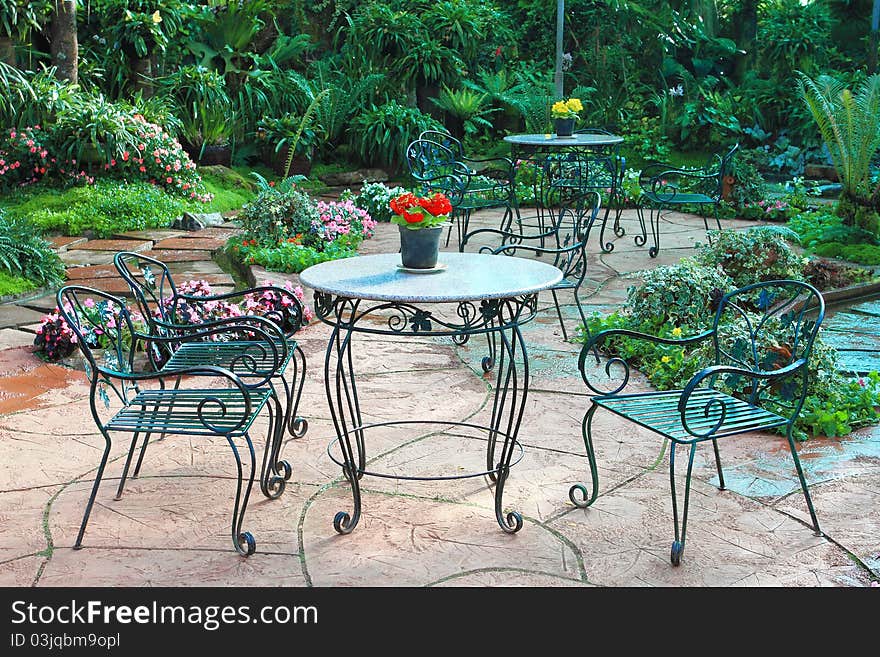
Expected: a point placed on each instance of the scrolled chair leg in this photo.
(272, 481)
(242, 541)
(678, 543)
(655, 231)
(579, 490)
(298, 426)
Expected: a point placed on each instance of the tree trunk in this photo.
(65, 50)
(746, 37)
(142, 76)
(7, 50)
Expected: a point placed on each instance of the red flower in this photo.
(413, 217)
(403, 203)
(438, 205)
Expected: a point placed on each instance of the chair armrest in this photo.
(591, 346)
(505, 238)
(714, 370)
(201, 370)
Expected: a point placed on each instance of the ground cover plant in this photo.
(285, 230)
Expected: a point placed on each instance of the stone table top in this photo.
(554, 141)
(467, 276)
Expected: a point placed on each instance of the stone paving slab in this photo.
(404, 541)
(21, 513)
(189, 244)
(63, 242)
(96, 567)
(179, 255)
(151, 235)
(20, 572)
(10, 337)
(214, 232)
(115, 246)
(86, 258)
(83, 275)
(42, 305)
(626, 537)
(12, 315)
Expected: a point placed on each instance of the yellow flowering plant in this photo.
(566, 109)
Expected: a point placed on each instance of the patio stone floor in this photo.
(171, 526)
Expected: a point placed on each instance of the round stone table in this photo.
(470, 294)
(566, 168)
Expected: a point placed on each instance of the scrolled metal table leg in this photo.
(343, 400)
(512, 387)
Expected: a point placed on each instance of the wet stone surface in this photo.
(426, 533)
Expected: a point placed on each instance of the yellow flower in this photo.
(559, 107)
(665, 359)
(156, 17)
(676, 332)
(574, 104)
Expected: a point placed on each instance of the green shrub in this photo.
(751, 256)
(374, 198)
(864, 254)
(13, 285)
(277, 215)
(381, 134)
(682, 295)
(25, 254)
(289, 257)
(105, 208)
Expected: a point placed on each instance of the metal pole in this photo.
(560, 24)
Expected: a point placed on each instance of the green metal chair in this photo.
(439, 165)
(144, 403)
(665, 187)
(762, 336)
(170, 313)
(563, 245)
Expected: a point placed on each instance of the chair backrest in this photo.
(437, 169)
(105, 334)
(151, 284)
(564, 242)
(444, 139)
(768, 326)
(720, 166)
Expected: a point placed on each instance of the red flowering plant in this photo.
(158, 157)
(23, 157)
(414, 212)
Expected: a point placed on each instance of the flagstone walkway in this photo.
(171, 527)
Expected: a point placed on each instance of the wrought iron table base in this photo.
(497, 317)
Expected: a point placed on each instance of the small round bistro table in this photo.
(469, 294)
(569, 167)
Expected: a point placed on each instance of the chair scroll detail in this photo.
(761, 339)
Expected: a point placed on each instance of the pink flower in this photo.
(89, 303)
